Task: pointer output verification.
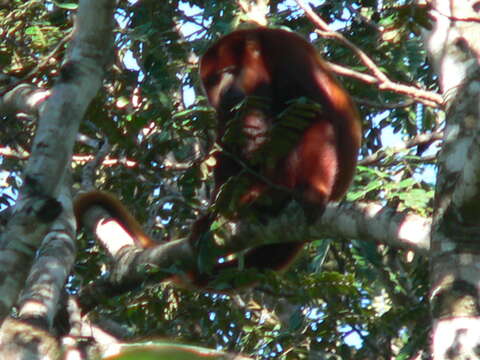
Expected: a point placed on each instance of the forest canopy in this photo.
(107, 95)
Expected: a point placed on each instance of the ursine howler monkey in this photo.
(286, 129)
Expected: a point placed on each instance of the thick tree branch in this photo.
(373, 222)
(23, 98)
(52, 148)
(133, 266)
(44, 287)
(455, 279)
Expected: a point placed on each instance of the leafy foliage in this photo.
(344, 299)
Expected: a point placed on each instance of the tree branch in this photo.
(53, 144)
(379, 78)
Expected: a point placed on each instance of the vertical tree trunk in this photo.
(455, 255)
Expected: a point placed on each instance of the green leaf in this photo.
(66, 6)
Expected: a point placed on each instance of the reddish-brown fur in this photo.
(279, 67)
(276, 67)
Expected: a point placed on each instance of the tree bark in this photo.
(455, 251)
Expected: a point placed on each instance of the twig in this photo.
(384, 83)
(421, 139)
